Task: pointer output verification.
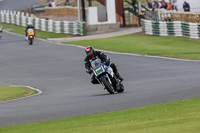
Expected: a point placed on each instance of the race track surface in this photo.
(16, 5)
(58, 71)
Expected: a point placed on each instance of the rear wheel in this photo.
(107, 85)
(121, 88)
(30, 42)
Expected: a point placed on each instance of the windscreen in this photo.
(96, 63)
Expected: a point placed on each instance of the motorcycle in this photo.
(104, 75)
(30, 36)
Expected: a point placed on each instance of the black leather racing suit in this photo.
(104, 59)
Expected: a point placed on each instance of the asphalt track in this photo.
(58, 71)
(15, 5)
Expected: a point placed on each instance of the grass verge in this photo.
(176, 117)
(39, 33)
(12, 92)
(175, 47)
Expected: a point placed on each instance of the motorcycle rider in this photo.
(29, 26)
(92, 54)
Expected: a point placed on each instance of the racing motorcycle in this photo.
(104, 75)
(30, 36)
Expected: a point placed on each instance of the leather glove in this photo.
(89, 71)
(107, 62)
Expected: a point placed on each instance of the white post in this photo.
(79, 18)
(111, 11)
(139, 7)
(92, 16)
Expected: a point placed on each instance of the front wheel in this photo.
(107, 85)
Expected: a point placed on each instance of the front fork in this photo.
(107, 78)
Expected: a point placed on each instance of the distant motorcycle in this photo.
(1, 31)
(30, 36)
(104, 75)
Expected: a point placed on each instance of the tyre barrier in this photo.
(21, 19)
(175, 28)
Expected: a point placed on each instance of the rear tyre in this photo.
(30, 42)
(121, 88)
(107, 85)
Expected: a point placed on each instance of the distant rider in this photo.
(92, 54)
(29, 26)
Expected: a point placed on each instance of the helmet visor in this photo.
(89, 53)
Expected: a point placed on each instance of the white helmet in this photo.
(29, 23)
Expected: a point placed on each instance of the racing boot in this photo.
(119, 76)
(26, 38)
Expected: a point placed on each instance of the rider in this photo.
(29, 26)
(92, 54)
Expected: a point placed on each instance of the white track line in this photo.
(32, 88)
(149, 56)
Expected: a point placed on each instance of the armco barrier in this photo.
(175, 28)
(18, 18)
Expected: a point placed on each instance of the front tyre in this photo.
(107, 85)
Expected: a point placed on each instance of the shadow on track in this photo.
(107, 94)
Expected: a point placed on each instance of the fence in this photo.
(176, 28)
(161, 15)
(21, 19)
(62, 11)
(152, 15)
(184, 17)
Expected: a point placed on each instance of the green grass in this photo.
(12, 92)
(94, 3)
(175, 47)
(39, 34)
(177, 117)
(97, 4)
